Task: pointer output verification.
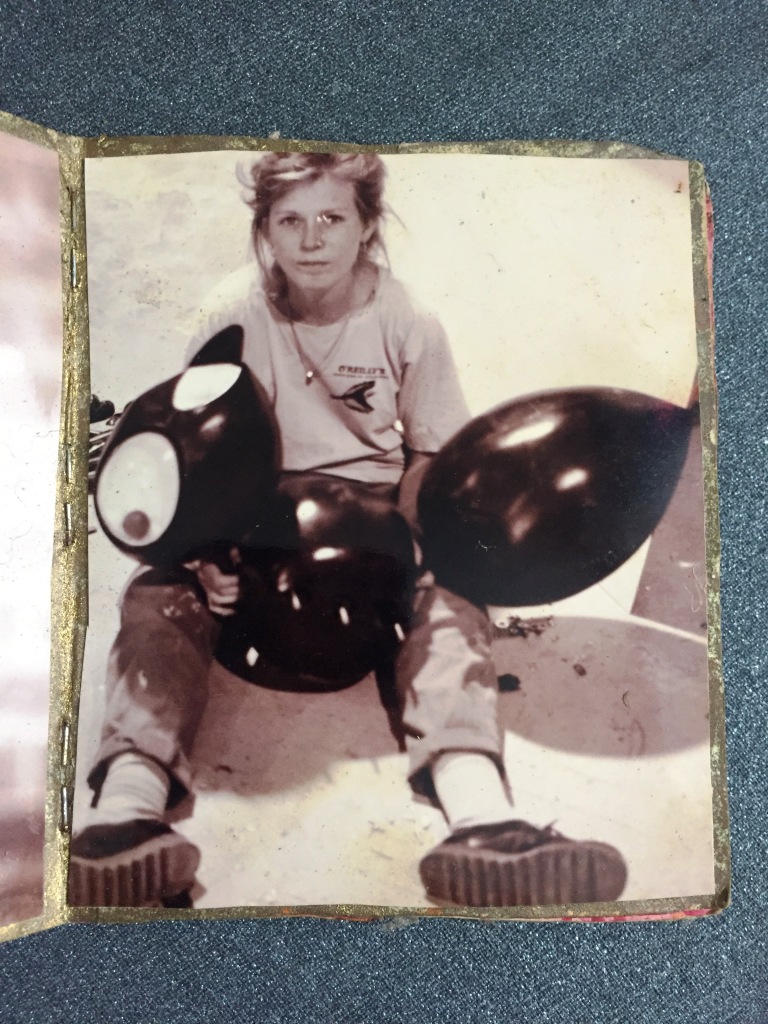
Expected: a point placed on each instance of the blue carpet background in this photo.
(685, 77)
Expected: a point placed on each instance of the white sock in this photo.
(470, 789)
(135, 787)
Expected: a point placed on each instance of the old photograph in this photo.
(396, 565)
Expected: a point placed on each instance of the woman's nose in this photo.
(312, 236)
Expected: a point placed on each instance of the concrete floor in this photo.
(303, 799)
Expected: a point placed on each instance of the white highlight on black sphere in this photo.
(200, 385)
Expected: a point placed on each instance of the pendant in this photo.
(309, 376)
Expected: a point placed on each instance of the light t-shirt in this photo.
(383, 378)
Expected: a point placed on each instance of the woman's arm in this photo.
(416, 466)
(431, 403)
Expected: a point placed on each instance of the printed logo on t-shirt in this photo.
(347, 370)
(356, 397)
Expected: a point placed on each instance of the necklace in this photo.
(310, 369)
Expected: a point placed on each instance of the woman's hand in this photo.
(222, 589)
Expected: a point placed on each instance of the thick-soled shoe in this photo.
(132, 864)
(514, 864)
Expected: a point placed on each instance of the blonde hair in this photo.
(276, 174)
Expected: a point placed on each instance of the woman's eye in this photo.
(330, 218)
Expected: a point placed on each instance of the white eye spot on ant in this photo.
(574, 477)
(306, 511)
(324, 554)
(138, 489)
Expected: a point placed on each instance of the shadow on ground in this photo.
(606, 687)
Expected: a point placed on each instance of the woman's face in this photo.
(315, 232)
